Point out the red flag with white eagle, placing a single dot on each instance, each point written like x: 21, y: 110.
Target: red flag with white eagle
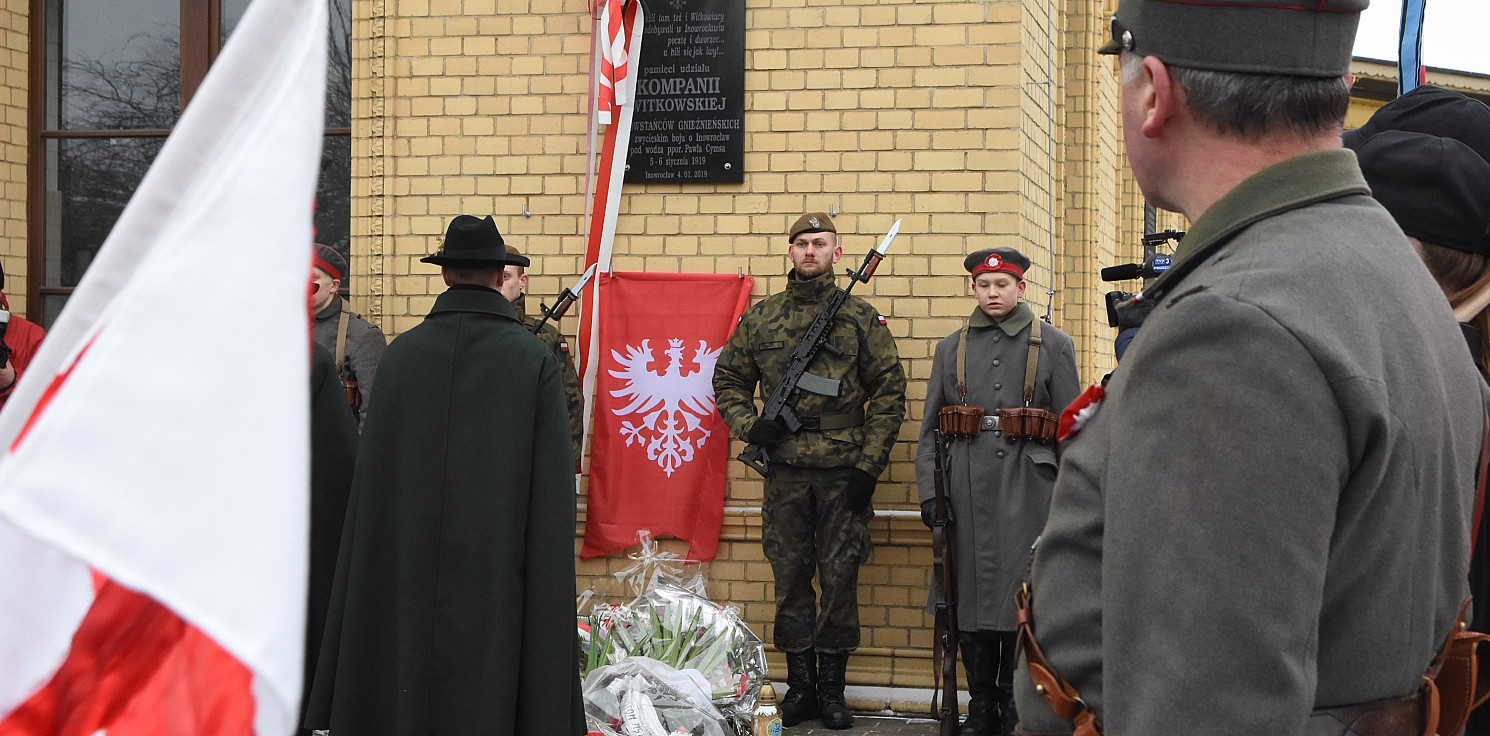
x: 154, y: 484
x: 660, y: 446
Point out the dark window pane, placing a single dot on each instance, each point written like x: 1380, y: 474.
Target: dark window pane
x: 51, y: 306
x: 339, y: 66
x: 334, y: 194
x: 113, y: 64
x: 232, y: 12
x: 89, y: 181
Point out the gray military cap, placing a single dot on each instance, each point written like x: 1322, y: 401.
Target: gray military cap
x: 1310, y: 38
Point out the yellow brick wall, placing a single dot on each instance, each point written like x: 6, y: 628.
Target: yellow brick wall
x: 957, y: 116
x: 14, y: 48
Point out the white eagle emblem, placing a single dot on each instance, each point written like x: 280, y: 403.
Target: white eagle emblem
x: 673, y: 404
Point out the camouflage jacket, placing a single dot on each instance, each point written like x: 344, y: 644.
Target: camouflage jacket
x: 869, y: 368
x: 556, y: 342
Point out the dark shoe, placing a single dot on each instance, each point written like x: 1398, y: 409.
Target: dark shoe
x: 980, y: 659
x: 800, y: 703
x: 1008, y: 645
x: 1008, y: 711
x: 831, y: 680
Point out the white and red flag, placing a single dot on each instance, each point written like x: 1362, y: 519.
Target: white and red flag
x: 608, y: 177
x: 615, y: 78
x: 660, y: 446
x: 153, y: 488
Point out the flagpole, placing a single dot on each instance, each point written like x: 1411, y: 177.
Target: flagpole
x: 1410, y: 46
x: 607, y: 200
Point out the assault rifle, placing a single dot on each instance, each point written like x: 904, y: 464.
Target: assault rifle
x: 778, y: 406
x: 944, y: 607
x: 566, y: 300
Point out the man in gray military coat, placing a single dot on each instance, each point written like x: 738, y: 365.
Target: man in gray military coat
x: 999, y: 486
x: 1263, y: 529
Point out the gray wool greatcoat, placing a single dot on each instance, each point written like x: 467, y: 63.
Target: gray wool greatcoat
x: 1000, y: 492
x: 1269, y: 512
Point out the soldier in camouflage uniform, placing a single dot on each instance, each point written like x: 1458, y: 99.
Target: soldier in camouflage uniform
x: 817, y: 500
x: 514, y: 286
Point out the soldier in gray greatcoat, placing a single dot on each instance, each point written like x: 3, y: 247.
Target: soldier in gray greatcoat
x: 1263, y: 526
x: 999, y: 489
x: 355, y: 344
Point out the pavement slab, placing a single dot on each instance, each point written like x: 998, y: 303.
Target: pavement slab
x: 865, y: 725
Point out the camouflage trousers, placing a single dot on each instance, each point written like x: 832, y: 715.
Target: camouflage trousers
x: 807, y: 529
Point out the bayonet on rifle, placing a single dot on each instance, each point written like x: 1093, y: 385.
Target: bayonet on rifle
x: 566, y: 300
x: 778, y: 407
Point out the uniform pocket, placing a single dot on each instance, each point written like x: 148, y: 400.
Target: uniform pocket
x: 1044, y: 460
x: 861, y: 526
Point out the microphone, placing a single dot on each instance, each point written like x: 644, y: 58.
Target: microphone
x: 1122, y: 272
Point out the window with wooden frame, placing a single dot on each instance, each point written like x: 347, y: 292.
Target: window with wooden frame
x: 109, y: 79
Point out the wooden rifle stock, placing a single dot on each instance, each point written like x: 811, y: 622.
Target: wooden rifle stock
x: 944, y: 647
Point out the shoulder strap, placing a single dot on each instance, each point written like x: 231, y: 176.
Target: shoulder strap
x: 341, y: 338
x: 1033, y: 363
x: 1479, y: 486
x: 962, y: 364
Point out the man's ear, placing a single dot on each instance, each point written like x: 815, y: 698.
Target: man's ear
x: 336, y: 285
x: 1022, y: 287
x: 1159, y: 99
x: 444, y: 274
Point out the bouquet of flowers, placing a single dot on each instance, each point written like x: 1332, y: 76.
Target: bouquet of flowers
x: 639, y: 696
x: 688, y: 633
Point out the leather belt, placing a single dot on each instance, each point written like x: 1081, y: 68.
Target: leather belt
x: 1415, y: 714
x: 821, y: 422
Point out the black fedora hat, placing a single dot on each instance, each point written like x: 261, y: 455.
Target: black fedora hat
x: 474, y: 242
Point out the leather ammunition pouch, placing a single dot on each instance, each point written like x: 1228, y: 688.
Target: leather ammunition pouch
x: 1028, y: 423
x: 960, y: 421
x: 354, y: 394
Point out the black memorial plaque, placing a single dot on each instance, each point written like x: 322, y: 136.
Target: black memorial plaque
x: 689, y: 121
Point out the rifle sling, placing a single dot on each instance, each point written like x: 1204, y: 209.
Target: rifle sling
x: 341, y: 339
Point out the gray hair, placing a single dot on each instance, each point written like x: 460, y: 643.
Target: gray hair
x: 1251, y: 106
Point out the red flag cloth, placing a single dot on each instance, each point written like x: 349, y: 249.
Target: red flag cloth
x: 136, y: 669
x: 660, y: 446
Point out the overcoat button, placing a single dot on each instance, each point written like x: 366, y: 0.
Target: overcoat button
x: 997, y: 386
x: 995, y: 362
x: 1001, y: 453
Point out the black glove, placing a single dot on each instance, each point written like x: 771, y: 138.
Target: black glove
x: 928, y: 512
x: 766, y: 433
x: 1131, y: 316
x: 859, y: 491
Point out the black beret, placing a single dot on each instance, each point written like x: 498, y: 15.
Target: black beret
x: 1006, y: 257
x: 1438, y: 189
x: 1313, y: 39
x: 1431, y: 110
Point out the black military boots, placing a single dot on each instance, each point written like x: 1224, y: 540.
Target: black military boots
x: 831, y: 672
x: 800, y: 703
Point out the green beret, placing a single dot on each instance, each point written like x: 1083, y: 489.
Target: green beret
x: 812, y: 222
x: 1292, y: 37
